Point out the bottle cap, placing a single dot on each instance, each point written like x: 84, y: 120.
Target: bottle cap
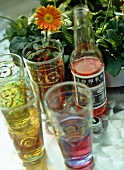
x: 97, y: 124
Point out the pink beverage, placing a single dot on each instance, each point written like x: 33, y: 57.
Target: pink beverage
x: 69, y: 109
x: 76, y: 143
x: 90, y: 71
x: 86, y: 60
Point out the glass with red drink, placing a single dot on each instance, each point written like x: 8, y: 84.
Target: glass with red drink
x: 44, y: 63
x: 69, y: 108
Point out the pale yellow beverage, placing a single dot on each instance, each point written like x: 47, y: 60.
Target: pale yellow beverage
x: 20, y: 105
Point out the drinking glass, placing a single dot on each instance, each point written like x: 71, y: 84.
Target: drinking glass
x: 20, y: 106
x: 11, y: 66
x: 44, y: 63
x: 69, y: 108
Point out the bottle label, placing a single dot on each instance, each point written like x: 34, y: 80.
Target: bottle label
x: 96, y: 83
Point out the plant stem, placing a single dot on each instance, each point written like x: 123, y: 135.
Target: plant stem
x: 86, y: 3
x: 8, y: 19
x: 46, y: 35
x: 54, y: 2
x: 110, y: 4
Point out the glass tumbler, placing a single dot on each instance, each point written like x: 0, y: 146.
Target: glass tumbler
x: 70, y: 111
x: 20, y: 106
x: 44, y: 63
x: 11, y: 66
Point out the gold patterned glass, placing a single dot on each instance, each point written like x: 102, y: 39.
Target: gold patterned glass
x: 20, y: 105
x: 11, y: 66
x: 44, y: 63
x: 69, y: 109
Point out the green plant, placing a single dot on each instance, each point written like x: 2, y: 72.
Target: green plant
x: 20, y: 33
x: 111, y: 45
x: 109, y: 38
x: 23, y: 30
x: 107, y: 27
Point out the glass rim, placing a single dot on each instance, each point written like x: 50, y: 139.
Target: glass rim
x: 43, y: 62
x: 21, y: 66
x: 36, y: 96
x: 80, y: 8
x: 70, y: 83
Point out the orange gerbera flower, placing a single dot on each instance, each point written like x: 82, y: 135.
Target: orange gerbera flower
x: 48, y: 18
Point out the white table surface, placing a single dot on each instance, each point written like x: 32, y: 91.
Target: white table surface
x: 108, y: 145
x: 9, y: 160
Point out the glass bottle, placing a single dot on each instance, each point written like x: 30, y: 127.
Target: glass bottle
x: 86, y: 60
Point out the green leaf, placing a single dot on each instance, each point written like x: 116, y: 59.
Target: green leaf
x: 66, y: 20
x: 22, y: 22
x: 18, y: 43
x: 114, y: 67
x: 22, y: 32
x: 62, y: 7
x: 102, y: 42
x: 57, y: 35
x: 44, y: 2
x: 113, y: 37
x: 68, y: 33
x: 121, y: 27
x: 66, y: 58
x: 122, y: 55
x: 22, y: 26
x: 68, y: 1
x: 14, y: 25
x: 9, y: 31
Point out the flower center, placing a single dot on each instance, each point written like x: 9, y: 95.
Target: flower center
x: 48, y: 18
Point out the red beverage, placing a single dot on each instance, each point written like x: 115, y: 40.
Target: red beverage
x: 76, y: 143
x: 47, y: 68
x: 48, y: 75
x: 90, y: 71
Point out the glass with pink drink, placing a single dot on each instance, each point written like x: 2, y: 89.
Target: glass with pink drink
x: 69, y: 108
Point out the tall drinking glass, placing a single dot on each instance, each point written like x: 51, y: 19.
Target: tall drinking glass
x: 69, y: 108
x: 20, y: 105
x: 44, y: 63
x: 11, y: 66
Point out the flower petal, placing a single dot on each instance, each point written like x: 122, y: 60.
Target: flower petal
x: 47, y: 24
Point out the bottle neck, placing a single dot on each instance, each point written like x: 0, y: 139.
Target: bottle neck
x: 84, y: 41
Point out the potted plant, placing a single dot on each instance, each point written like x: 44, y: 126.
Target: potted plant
x: 109, y: 39
x: 107, y: 26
